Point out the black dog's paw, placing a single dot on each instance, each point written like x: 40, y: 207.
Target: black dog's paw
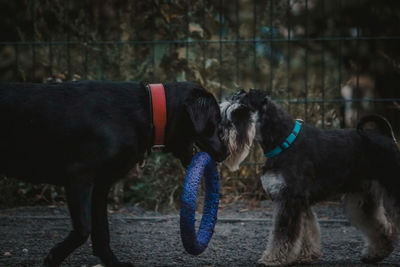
x: 49, y: 261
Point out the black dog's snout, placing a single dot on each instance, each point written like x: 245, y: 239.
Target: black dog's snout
x: 221, y: 157
x: 218, y: 150
x: 223, y: 153
x: 227, y: 153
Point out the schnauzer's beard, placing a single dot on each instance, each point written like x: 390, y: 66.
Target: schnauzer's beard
x: 238, y: 143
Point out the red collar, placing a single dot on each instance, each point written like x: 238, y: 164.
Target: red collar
x: 159, y: 113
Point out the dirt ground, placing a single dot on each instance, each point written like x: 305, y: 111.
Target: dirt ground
x: 153, y: 239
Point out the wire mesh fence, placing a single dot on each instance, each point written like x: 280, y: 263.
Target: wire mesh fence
x: 327, y: 62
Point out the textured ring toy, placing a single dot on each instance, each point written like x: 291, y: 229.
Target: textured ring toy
x: 192, y: 242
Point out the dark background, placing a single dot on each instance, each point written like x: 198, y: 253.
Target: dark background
x: 327, y: 62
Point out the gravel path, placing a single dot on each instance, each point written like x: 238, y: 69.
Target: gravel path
x: 153, y: 239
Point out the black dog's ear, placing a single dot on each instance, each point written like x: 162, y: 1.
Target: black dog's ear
x: 197, y: 111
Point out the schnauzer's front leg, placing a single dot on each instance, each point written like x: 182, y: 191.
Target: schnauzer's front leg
x: 285, y: 240
x: 310, y: 249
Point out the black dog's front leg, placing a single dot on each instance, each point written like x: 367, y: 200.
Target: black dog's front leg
x: 100, y: 232
x: 78, y: 195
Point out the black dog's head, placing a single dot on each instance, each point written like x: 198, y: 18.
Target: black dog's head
x: 196, y: 120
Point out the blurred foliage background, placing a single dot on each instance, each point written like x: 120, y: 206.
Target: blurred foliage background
x: 326, y: 62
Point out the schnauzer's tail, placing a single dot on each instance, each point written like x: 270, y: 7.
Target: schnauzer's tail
x: 381, y: 124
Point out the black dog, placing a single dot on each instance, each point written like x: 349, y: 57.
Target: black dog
x: 306, y: 165
x: 87, y: 135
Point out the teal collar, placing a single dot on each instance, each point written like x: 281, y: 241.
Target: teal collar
x: 289, y: 140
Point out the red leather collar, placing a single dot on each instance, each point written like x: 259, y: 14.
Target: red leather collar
x: 159, y: 110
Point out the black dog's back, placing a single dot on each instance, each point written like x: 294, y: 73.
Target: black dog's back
x: 48, y: 131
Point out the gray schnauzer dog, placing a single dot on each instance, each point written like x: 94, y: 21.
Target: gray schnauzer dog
x: 306, y: 165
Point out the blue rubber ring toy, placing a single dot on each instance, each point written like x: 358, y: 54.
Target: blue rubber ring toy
x: 192, y: 242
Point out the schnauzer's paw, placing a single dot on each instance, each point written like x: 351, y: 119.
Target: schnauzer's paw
x: 369, y: 259
x: 269, y: 260
x: 374, y: 255
x: 262, y: 262
x: 309, y: 254
x: 309, y: 257
x: 377, y: 252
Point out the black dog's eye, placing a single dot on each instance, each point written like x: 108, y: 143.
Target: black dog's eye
x: 209, y: 130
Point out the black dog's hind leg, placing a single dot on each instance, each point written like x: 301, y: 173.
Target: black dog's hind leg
x: 100, y: 233
x: 79, y: 197
x: 367, y: 213
x: 285, y: 239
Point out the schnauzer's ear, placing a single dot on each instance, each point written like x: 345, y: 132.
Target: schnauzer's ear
x: 238, y: 94
x: 266, y: 102
x: 198, y: 113
x: 242, y: 113
x: 241, y: 118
